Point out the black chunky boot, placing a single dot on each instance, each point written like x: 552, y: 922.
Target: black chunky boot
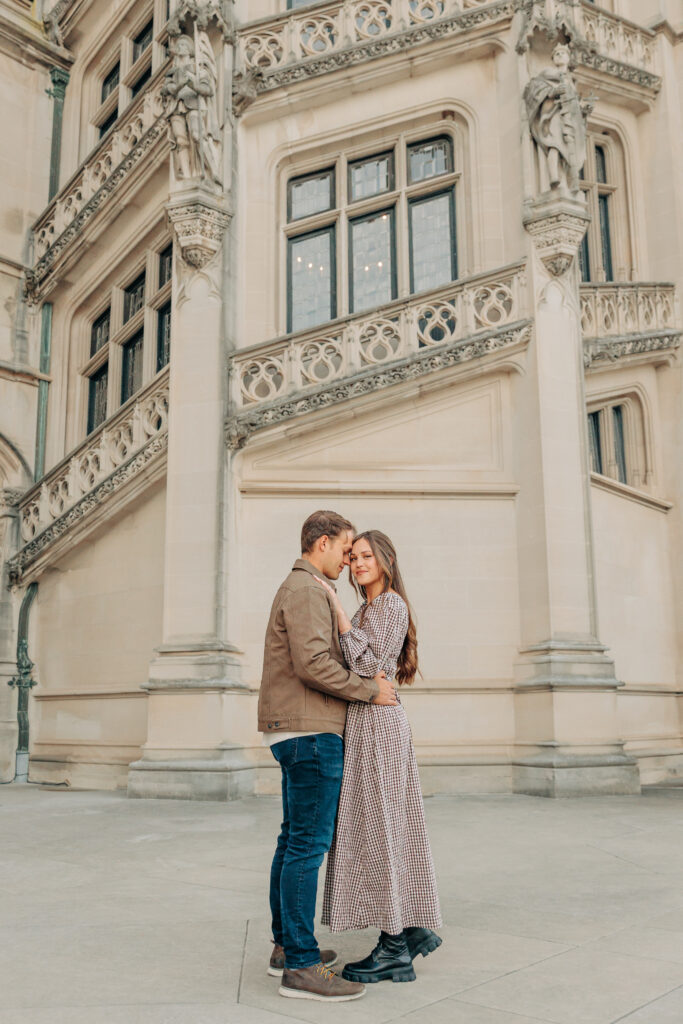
x: 421, y: 940
x: 390, y: 960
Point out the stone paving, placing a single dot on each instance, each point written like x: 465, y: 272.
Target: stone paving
x: 155, y: 912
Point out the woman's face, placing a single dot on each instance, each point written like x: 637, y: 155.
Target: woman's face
x: 364, y: 564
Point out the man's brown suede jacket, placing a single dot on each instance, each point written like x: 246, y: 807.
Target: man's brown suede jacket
x: 305, y: 684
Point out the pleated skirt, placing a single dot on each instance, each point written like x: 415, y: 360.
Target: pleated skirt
x: 380, y: 871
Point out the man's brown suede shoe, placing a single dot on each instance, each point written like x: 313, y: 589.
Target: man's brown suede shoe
x: 277, y: 960
x: 318, y: 983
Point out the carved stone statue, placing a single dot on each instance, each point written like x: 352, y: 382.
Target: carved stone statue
x: 190, y: 92
x: 557, y: 120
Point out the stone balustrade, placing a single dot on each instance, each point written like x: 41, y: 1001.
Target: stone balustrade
x: 615, y: 310
x: 614, y: 37
x: 140, y: 125
x: 109, y: 449
x: 327, y: 28
x: 343, y: 348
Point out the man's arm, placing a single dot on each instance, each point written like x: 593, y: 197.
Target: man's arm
x: 306, y: 615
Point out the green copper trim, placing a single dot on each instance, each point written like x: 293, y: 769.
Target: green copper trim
x: 23, y: 680
x: 43, y: 387
x: 59, y: 79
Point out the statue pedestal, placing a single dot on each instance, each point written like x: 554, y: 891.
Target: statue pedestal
x: 567, y: 736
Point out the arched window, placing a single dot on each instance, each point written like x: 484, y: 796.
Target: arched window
x: 605, y: 253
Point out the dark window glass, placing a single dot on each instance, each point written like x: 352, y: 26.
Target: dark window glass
x: 309, y: 195
x: 605, y: 237
x: 106, y: 125
x: 429, y: 159
x: 584, y: 259
x: 371, y: 177
x: 163, y: 335
x: 433, y: 258
x: 142, y: 81
x: 97, y: 397
x: 594, y: 440
x: 600, y: 165
x: 142, y: 40
x: 134, y: 297
x: 111, y: 82
x: 99, y: 333
x: 293, y: 4
x: 371, y: 260
x: 312, y: 280
x: 165, y: 265
x: 131, y: 376
x: 619, y: 443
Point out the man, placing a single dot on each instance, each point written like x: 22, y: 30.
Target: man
x: 302, y: 712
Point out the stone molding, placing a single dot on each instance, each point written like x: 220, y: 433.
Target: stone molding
x: 611, y: 350
x: 240, y: 427
x: 141, y: 461
x: 199, y: 218
x: 203, y: 12
x: 556, y: 226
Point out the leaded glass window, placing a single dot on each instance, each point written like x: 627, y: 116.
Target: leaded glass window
x: 619, y: 442
x: 99, y: 333
x: 605, y: 237
x: 163, y: 335
x: 597, y: 253
x: 111, y: 81
x: 432, y: 241
x: 371, y: 253
x: 108, y: 123
x: 371, y: 177
x: 165, y: 265
x: 595, y: 441
x: 97, y: 397
x: 131, y: 373
x: 133, y: 297
x: 312, y: 286
x: 429, y: 159
x: 142, y: 40
x: 142, y: 81
x: 311, y: 194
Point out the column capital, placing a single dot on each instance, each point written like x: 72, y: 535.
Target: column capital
x: 199, y: 217
x: 557, y: 226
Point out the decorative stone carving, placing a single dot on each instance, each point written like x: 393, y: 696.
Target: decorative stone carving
x: 199, y: 219
x: 245, y: 89
x: 202, y: 12
x: 557, y: 228
x: 190, y: 93
x: 239, y: 428
x: 600, y: 350
x: 557, y: 121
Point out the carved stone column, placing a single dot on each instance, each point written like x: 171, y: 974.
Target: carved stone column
x: 194, y: 677
x: 567, y: 736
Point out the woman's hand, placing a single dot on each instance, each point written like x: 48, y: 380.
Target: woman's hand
x: 343, y: 620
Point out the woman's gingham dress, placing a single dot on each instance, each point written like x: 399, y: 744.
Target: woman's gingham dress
x: 380, y: 871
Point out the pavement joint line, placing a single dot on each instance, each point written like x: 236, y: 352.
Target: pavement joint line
x: 641, y: 867
x: 507, y: 974
x: 244, y: 955
x: 650, y: 1002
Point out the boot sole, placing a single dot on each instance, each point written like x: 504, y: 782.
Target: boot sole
x: 277, y: 972
x: 402, y: 974
x: 427, y: 946
x: 295, y: 993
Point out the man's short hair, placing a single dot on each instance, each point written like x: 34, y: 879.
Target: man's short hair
x: 321, y: 524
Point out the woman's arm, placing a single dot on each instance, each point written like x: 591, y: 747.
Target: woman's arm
x: 385, y: 624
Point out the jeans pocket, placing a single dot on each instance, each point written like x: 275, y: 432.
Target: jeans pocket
x: 284, y: 752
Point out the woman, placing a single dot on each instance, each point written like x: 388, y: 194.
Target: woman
x: 379, y: 870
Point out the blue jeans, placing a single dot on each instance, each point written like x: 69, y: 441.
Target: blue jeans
x: 312, y: 768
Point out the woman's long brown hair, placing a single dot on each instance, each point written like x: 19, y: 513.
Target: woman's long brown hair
x: 385, y: 553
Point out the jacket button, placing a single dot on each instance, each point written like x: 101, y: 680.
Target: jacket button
x: 276, y: 724
x: 270, y: 725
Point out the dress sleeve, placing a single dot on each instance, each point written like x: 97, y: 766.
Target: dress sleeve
x: 385, y: 624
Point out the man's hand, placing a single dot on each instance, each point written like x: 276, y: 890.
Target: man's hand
x: 387, y: 693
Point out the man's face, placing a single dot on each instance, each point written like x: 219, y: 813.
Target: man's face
x: 336, y: 554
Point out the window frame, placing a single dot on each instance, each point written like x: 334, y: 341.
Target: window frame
x: 637, y: 447
x: 145, y: 320
x: 345, y: 210
x: 610, y: 196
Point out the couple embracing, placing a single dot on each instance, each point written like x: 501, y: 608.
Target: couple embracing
x: 330, y: 712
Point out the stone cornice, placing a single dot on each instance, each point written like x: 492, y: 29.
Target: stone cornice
x: 240, y: 427
x: 656, y: 346
x: 23, y: 38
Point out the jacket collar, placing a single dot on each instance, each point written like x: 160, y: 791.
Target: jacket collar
x: 303, y: 563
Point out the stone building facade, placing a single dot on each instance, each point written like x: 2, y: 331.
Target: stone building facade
x: 415, y: 260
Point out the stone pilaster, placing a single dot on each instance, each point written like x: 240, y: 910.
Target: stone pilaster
x: 567, y: 736
x: 195, y: 694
